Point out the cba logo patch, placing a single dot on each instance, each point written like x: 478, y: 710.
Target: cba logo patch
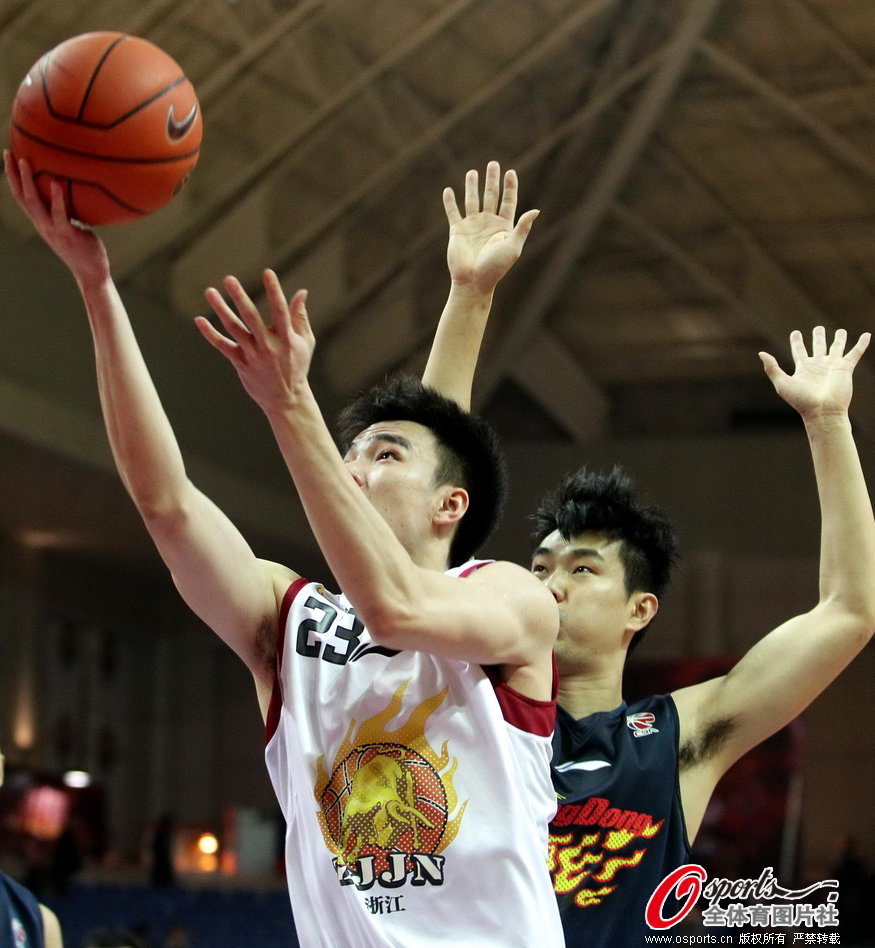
x: 641, y: 724
x: 19, y: 935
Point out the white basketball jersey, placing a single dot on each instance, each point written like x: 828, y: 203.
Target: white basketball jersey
x: 416, y: 790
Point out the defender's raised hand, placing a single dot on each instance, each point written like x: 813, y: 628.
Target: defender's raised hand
x: 821, y: 383
x: 485, y: 243
x: 271, y: 361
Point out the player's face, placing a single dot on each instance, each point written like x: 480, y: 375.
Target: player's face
x: 394, y: 463
x: 587, y: 579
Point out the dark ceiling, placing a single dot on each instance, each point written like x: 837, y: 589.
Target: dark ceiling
x: 705, y: 172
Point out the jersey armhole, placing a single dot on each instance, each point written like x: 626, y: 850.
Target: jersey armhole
x: 677, y: 724
x: 520, y: 711
x: 276, y: 695
x: 524, y: 713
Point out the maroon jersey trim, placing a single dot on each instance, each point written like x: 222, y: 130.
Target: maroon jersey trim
x: 276, y: 695
x: 524, y: 713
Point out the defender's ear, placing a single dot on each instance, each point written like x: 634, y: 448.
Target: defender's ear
x: 644, y: 608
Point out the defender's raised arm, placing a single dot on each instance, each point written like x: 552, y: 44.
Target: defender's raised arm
x: 484, y: 243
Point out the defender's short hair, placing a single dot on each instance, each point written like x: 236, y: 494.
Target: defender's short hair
x: 468, y: 451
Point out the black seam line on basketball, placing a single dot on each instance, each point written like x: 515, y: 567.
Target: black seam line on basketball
x: 140, y: 107
x: 78, y: 119
x: 93, y: 78
x: 87, y: 154
x: 94, y: 184
x: 127, y: 115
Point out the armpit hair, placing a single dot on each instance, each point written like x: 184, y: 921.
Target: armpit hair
x: 266, y: 642
x: 706, y: 746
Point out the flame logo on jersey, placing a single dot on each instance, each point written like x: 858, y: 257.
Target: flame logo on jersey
x: 586, y: 866
x: 389, y: 792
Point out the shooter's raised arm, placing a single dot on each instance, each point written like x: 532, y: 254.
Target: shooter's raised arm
x: 211, y: 564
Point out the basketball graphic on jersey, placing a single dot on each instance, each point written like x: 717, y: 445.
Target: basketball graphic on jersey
x: 389, y: 791
x: 385, y: 796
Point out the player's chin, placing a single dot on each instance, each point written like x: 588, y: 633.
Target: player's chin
x: 567, y: 657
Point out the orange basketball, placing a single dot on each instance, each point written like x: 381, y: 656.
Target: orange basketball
x: 114, y: 119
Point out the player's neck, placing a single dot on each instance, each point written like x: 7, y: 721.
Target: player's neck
x: 586, y: 692
x: 431, y: 554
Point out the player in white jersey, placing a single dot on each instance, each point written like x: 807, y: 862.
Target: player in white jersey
x: 427, y: 770
x: 391, y: 517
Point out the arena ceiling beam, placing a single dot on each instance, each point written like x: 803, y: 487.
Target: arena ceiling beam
x: 436, y: 234
x: 836, y: 42
x: 13, y: 10
x: 545, y: 369
x: 210, y: 89
x: 589, y: 215
x: 79, y: 437
x: 185, y: 268
x: 833, y: 142
x: 763, y: 295
x: 550, y: 375
x: 344, y: 326
x: 389, y: 171
x: 157, y: 18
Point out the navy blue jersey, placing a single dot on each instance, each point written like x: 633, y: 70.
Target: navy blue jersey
x: 619, y: 829
x: 21, y: 923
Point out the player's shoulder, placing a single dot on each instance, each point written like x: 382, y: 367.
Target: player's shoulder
x: 519, y: 592
x: 506, y: 575
x: 693, y: 702
x: 493, y: 570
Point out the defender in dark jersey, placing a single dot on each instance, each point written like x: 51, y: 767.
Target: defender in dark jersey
x: 633, y: 782
x: 620, y: 827
x: 24, y: 922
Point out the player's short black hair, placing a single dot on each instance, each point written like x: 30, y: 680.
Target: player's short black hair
x: 468, y: 451
x: 595, y: 502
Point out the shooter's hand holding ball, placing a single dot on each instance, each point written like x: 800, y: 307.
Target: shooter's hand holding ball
x: 114, y: 119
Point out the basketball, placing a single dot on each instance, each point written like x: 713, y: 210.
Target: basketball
x: 114, y: 119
